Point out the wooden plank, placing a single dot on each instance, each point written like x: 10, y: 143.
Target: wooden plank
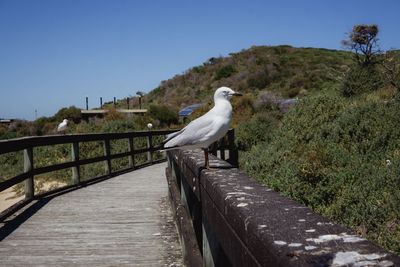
x: 131, y: 150
x: 107, y: 154
x: 28, y: 167
x: 191, y: 253
x: 55, y: 167
x: 150, y: 147
x: 123, y: 221
x: 233, y: 152
x: 76, y: 175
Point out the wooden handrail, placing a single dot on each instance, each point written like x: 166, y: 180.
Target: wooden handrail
x: 17, y: 144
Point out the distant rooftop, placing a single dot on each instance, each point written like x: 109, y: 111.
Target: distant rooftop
x: 186, y: 111
x: 6, y: 120
x: 103, y: 111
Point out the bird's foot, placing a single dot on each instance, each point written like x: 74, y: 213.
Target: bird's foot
x: 208, y: 167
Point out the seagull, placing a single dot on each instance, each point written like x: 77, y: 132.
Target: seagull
x: 207, y: 129
x: 62, y: 127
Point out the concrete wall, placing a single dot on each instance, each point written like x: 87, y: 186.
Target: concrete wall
x: 226, y: 218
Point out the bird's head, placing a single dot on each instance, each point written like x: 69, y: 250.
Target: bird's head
x: 65, y: 121
x: 225, y: 93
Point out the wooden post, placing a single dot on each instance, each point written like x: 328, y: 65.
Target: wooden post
x: 87, y: 103
x: 213, y: 255
x: 28, y: 167
x: 222, y: 148
x: 150, y: 147
x: 131, y: 150
x: 76, y: 174
x: 107, y: 153
x: 214, y: 147
x: 233, y: 153
x: 115, y: 102
x: 101, y: 102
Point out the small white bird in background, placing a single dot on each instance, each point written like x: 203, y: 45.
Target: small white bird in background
x: 149, y: 125
x: 207, y: 129
x: 62, y: 127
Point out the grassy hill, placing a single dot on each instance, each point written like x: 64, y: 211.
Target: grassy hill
x: 286, y: 70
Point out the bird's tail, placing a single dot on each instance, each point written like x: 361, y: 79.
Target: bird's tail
x: 165, y: 149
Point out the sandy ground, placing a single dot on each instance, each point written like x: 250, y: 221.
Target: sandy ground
x: 8, y: 197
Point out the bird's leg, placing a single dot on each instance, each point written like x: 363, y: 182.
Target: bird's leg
x: 206, y: 163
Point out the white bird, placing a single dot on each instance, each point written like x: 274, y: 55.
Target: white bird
x: 62, y: 127
x: 207, y: 129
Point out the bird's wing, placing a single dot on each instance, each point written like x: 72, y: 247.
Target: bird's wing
x: 61, y: 126
x: 193, y: 133
x: 172, y: 135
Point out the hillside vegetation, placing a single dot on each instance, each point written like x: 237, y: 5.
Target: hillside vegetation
x: 286, y: 70
x: 336, y: 150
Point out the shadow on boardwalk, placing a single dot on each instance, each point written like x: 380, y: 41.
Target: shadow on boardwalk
x: 123, y: 221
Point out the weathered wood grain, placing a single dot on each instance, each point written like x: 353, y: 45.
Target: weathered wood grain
x: 123, y: 221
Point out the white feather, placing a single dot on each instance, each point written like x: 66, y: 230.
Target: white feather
x: 62, y: 126
x: 207, y: 129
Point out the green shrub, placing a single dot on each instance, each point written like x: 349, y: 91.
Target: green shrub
x: 224, y: 72
x: 259, y: 79
x: 118, y: 126
x: 163, y: 114
x: 71, y: 113
x: 361, y: 79
x: 339, y: 156
x: 256, y: 130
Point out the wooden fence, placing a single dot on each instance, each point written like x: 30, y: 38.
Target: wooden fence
x: 28, y: 144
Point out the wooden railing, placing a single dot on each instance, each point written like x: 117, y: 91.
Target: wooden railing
x: 28, y: 144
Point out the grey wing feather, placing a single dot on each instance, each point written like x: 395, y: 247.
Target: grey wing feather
x: 192, y: 134
x: 172, y: 135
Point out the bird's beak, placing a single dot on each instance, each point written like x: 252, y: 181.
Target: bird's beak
x: 237, y: 94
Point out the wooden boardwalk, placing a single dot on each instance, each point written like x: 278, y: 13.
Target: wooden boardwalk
x: 122, y: 221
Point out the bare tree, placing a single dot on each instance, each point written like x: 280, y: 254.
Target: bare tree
x: 364, y: 42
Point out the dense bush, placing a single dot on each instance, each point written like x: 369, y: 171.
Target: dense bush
x: 224, y: 72
x: 118, y: 126
x: 71, y: 113
x: 259, y: 79
x: 113, y: 115
x: 361, y: 79
x: 256, y: 130
x: 163, y: 114
x: 340, y: 157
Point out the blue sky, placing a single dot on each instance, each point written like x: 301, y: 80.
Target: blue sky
x: 55, y: 53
